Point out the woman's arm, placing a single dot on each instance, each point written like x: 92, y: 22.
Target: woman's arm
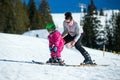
x: 65, y: 31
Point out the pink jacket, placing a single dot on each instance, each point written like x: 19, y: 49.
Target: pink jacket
x: 55, y: 39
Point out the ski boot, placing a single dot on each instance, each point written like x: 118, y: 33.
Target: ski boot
x: 55, y: 61
x: 87, y: 59
x: 51, y: 60
x: 60, y: 61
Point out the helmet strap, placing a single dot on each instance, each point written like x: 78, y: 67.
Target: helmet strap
x: 51, y: 30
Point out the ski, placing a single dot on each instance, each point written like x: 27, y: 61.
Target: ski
x: 55, y: 64
x: 42, y: 63
x: 88, y: 65
x: 37, y: 62
x: 70, y: 65
x: 78, y: 65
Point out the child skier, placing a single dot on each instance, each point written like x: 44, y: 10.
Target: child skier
x: 56, y: 44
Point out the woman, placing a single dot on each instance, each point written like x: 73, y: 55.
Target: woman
x: 73, y: 34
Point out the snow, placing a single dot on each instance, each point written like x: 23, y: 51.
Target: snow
x: 17, y: 49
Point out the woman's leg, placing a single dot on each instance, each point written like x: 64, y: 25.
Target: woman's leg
x: 84, y: 53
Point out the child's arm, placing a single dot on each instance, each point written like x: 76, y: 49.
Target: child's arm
x: 57, y: 39
x: 50, y: 46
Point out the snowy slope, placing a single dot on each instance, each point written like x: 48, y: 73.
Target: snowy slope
x: 25, y: 48
x: 19, y: 50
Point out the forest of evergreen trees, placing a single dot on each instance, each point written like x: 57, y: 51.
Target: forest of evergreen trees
x: 17, y: 16
x: 110, y: 36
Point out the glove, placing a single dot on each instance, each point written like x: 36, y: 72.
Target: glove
x: 50, y: 49
x: 55, y: 49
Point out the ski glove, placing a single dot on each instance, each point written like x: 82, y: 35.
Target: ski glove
x: 55, y: 49
x: 50, y: 49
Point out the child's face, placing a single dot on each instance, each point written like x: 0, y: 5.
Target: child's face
x: 50, y: 30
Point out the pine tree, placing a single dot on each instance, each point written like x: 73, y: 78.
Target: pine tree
x: 90, y: 24
x: 2, y: 17
x: 111, y: 37
x: 33, y: 15
x: 101, y: 12
x: 12, y: 16
x: 8, y: 13
x: 92, y: 8
x: 94, y: 36
x: 117, y: 33
x: 109, y: 44
x: 44, y: 11
x: 20, y: 17
x: 25, y: 16
x: 88, y: 28
x: 100, y: 33
x: 42, y: 21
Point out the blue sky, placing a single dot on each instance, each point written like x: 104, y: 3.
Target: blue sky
x: 61, y: 6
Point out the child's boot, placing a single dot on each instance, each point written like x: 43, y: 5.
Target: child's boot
x: 51, y: 60
x: 60, y: 61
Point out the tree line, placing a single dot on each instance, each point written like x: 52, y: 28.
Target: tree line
x: 99, y: 36
x: 17, y: 16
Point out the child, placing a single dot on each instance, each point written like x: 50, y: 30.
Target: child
x: 56, y: 44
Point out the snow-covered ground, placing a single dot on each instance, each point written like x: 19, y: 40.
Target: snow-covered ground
x: 18, y: 50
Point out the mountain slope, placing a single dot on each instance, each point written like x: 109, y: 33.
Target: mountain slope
x: 25, y: 48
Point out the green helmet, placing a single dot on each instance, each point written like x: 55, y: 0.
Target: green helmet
x: 50, y: 26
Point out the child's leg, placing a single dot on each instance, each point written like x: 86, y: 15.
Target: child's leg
x: 52, y: 58
x: 53, y: 54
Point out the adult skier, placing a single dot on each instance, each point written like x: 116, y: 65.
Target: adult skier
x: 73, y: 35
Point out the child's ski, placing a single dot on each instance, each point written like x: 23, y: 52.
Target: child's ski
x: 42, y: 63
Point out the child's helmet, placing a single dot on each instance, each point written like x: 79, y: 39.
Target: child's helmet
x: 51, y: 26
